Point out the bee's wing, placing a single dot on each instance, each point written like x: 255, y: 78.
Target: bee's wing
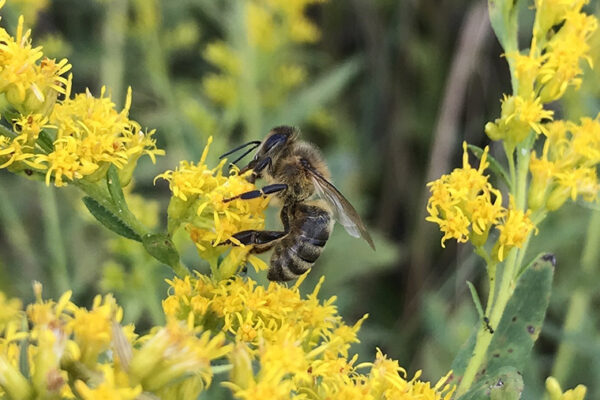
x: 342, y: 209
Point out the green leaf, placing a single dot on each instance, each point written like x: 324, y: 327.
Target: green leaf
x: 161, y: 247
x: 495, y: 166
x: 46, y: 142
x: 310, y: 99
x: 517, y: 330
x: 476, y: 300
x: 505, y: 384
x: 109, y: 219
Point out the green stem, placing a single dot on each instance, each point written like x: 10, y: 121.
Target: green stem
x: 523, y: 157
x: 577, y: 312
x: 491, y: 271
x: 484, y: 336
x: 180, y: 270
x: 509, y: 150
x: 113, y: 36
x: 54, y: 240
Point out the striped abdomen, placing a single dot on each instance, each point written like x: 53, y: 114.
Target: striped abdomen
x: 310, y: 224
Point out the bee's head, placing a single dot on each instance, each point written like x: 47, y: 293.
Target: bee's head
x: 268, y: 151
x: 275, y: 142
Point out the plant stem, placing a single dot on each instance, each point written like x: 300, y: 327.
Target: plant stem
x: 54, y: 240
x: 484, y: 336
x: 577, y: 311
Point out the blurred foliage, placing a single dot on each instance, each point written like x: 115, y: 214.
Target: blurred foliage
x: 368, y: 90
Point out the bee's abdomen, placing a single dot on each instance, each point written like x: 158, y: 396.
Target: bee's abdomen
x: 297, y: 252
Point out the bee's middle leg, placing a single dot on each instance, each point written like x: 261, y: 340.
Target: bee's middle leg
x: 269, y: 189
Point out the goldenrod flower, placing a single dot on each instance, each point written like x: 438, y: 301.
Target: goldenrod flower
x: 92, y: 330
x: 90, y: 135
x: 113, y: 385
x: 174, y: 351
x: 464, y: 203
x: 563, y: 53
x: 518, y: 118
x: 567, y: 166
x: 198, y: 204
x: 10, y: 309
x: 514, y: 230
x: 30, y: 85
x: 555, y: 392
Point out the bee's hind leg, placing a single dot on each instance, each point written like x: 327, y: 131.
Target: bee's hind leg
x: 263, y: 240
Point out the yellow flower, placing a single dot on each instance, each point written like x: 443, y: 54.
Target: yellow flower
x: 90, y: 135
x: 554, y: 391
x: 112, y: 387
x: 92, y: 330
x: 519, y: 116
x: 10, y: 310
x: 172, y: 352
x: 197, y: 203
x: 514, y: 230
x: 222, y: 89
x: 30, y: 85
x: 461, y: 202
x: 567, y: 166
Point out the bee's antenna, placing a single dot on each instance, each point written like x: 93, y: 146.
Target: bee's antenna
x: 254, y: 143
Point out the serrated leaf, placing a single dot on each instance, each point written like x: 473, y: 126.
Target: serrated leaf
x: 161, y: 247
x: 110, y: 220
x: 495, y: 166
x: 517, y: 330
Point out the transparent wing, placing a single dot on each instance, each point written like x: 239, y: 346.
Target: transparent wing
x: 343, y: 211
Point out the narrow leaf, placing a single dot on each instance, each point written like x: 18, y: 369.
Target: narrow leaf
x: 476, y: 300
x: 110, y: 220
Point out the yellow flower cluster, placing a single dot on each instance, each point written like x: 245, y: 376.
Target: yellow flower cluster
x: 301, y: 345
x: 197, y: 204
x: 84, y: 135
x: 465, y: 206
x: 567, y: 166
x: 271, y: 26
x: 72, y: 352
x: 552, y: 65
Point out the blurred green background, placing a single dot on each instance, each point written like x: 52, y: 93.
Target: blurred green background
x: 388, y: 89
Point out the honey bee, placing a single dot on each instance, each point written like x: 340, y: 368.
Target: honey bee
x: 296, y: 173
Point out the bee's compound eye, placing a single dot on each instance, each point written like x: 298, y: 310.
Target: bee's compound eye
x: 273, y: 141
